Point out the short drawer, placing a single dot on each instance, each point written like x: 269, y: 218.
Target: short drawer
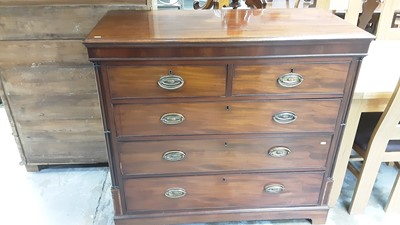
x: 223, y: 191
x: 186, y: 156
x: 166, y: 81
x: 226, y: 117
x: 309, y: 78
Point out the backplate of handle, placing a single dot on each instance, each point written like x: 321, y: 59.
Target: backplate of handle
x: 172, y: 118
x: 274, y: 188
x: 289, y: 80
x: 174, y: 155
x: 175, y: 193
x: 284, y: 117
x: 171, y: 82
x: 279, y: 151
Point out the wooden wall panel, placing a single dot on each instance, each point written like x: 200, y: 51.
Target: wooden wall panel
x: 34, y: 53
x: 62, y: 141
x: 53, y: 22
x: 48, y: 153
x: 55, y: 107
x: 49, y: 87
x: 46, y: 80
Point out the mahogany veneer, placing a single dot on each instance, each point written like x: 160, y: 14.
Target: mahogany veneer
x: 223, y: 115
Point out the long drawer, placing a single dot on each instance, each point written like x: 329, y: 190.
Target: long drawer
x: 226, y: 117
x: 166, y: 81
x: 189, y: 156
x: 315, y: 78
x: 222, y: 191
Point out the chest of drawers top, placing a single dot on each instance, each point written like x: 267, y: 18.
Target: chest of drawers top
x: 223, y: 33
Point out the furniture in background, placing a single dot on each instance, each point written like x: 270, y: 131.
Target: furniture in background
x: 256, y: 4
x: 377, y: 140
x: 225, y: 120
x: 179, y: 4
x: 46, y: 83
x: 375, y: 85
x: 360, y: 13
x: 371, y: 94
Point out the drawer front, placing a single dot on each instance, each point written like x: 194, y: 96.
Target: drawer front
x: 264, y: 153
x: 290, y: 78
x: 166, y: 81
x: 223, y: 191
x: 226, y: 117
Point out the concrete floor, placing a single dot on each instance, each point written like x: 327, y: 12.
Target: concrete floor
x: 81, y: 196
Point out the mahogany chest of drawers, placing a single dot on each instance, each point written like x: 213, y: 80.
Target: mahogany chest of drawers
x: 223, y: 115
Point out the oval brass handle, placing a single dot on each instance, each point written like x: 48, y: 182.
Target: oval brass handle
x: 284, y: 117
x: 172, y: 118
x: 289, y: 80
x: 174, y: 155
x: 175, y: 193
x: 279, y: 151
x: 171, y: 82
x: 274, y: 188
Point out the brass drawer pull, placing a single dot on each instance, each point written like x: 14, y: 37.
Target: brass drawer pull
x: 279, y: 152
x: 274, y: 188
x: 174, y: 155
x: 171, y: 82
x: 284, y: 117
x: 172, y: 118
x: 175, y: 193
x: 289, y: 80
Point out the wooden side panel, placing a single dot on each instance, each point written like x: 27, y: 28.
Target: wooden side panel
x: 53, y: 22
x: 11, y: 119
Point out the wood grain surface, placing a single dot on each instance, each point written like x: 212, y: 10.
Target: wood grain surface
x: 230, y: 154
x: 318, y: 78
x: 244, y: 25
x: 34, y: 53
x: 223, y: 191
x: 141, y: 81
x: 215, y: 118
x: 63, y: 22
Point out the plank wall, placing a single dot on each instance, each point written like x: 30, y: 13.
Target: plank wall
x: 46, y: 81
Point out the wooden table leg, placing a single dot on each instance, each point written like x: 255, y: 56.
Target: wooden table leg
x: 393, y: 206
x: 345, y: 150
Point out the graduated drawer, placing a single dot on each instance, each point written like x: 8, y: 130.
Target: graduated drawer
x: 225, y: 117
x: 166, y: 81
x: 263, y: 153
x: 295, y: 77
x: 223, y: 191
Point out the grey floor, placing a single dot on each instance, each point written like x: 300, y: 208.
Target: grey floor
x: 81, y: 196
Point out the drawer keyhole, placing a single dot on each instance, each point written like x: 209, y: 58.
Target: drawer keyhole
x: 228, y: 107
